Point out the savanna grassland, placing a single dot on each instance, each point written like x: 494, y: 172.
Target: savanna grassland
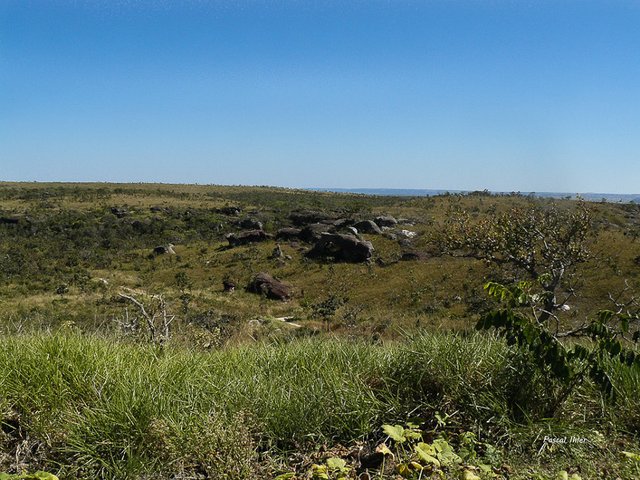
x: 131, y: 346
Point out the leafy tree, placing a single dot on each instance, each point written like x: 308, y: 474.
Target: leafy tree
x: 544, y: 244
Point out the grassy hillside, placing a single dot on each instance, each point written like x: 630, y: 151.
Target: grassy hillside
x: 69, y: 256
x: 244, y: 386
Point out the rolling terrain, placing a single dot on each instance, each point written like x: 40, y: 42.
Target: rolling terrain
x: 286, y: 327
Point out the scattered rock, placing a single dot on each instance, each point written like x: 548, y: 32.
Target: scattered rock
x: 119, y: 212
x: 341, y: 247
x: 229, y: 210
x: 141, y: 226
x: 407, y: 234
x: 265, y: 284
x: 159, y: 209
x: 301, y: 218
x: 386, y: 221
x: 250, y: 224
x: 164, y: 249
x: 405, y: 243
x: 246, y: 237
x: 413, y: 256
x: 368, y: 226
x: 288, y: 234
x: 277, y: 252
x: 311, y: 233
x: 228, y: 285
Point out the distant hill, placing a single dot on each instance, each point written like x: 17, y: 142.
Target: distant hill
x: 425, y: 192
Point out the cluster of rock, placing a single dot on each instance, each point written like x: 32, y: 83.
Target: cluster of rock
x: 332, y: 238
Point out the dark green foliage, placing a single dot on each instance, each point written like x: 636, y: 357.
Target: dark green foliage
x: 569, y: 363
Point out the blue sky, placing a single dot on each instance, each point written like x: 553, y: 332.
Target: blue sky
x: 504, y: 95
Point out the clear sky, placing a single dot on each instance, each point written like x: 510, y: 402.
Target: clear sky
x: 505, y: 95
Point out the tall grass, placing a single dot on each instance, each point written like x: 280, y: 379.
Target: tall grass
x: 93, y: 407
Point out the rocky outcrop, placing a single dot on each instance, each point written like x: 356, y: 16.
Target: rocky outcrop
x: 246, y: 237
x: 264, y: 284
x: 342, y: 248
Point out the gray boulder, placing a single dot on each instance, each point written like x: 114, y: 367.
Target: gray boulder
x: 264, y: 284
x: 342, y: 248
x: 368, y: 226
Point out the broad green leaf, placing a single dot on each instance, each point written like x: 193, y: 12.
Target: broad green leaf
x: 445, y: 453
x: 319, y: 472
x: 285, y: 476
x: 427, y: 453
x: 469, y: 475
x: 336, y: 463
x: 44, y: 476
x: 395, y: 432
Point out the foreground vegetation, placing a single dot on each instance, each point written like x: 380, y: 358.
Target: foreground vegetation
x: 136, y: 345
x: 89, y: 407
